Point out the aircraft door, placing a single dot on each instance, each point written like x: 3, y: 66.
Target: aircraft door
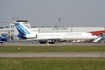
x: 36, y: 36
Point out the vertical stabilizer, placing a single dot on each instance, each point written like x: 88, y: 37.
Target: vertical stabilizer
x: 22, y: 29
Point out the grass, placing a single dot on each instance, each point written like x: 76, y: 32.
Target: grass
x: 69, y: 48
x: 52, y: 64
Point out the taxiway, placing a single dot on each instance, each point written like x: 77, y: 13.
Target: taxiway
x: 53, y: 54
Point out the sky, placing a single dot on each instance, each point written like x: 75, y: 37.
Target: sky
x: 75, y: 13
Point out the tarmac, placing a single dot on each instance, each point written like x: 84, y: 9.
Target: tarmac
x: 53, y: 54
x: 56, y: 44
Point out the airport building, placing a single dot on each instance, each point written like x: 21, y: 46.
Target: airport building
x: 12, y: 31
x: 69, y: 29
x: 4, y: 30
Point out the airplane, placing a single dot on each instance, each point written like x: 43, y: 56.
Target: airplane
x: 25, y: 33
x: 98, y: 32
x: 3, y: 39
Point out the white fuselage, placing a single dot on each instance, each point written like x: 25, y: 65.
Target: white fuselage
x: 25, y: 33
x: 62, y: 36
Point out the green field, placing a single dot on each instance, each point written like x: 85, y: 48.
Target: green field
x: 52, y: 64
x: 69, y: 48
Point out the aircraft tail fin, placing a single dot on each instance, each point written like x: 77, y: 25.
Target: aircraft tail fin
x: 97, y: 33
x: 22, y: 29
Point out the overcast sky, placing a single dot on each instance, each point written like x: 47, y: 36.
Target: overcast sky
x: 48, y: 12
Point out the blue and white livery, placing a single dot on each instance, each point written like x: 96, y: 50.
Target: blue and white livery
x: 25, y: 33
